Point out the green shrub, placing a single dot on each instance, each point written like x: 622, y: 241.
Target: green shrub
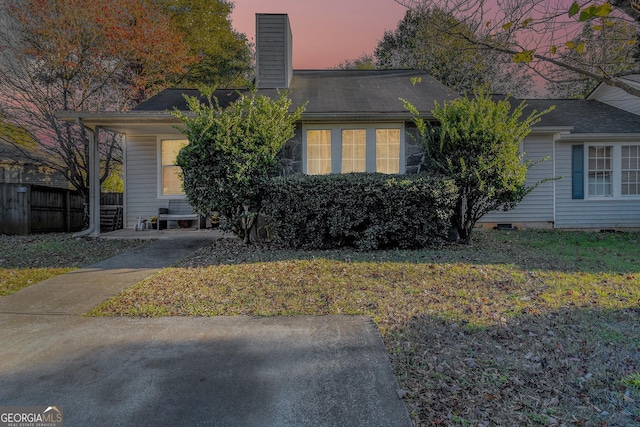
x: 367, y: 211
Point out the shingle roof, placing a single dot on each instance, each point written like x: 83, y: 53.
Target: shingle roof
x: 585, y: 116
x: 337, y: 93
x: 11, y: 154
x: 353, y: 95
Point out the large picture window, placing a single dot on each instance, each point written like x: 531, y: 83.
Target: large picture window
x: 388, y: 150
x: 370, y: 147
x: 354, y: 150
x: 171, y: 181
x: 319, y: 151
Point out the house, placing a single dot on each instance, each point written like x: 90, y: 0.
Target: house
x: 354, y: 121
x: 20, y: 165
x: 594, y: 150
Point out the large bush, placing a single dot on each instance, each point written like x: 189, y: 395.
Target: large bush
x: 477, y: 144
x: 368, y: 211
x: 231, y: 152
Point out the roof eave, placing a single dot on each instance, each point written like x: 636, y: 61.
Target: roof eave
x: 588, y: 137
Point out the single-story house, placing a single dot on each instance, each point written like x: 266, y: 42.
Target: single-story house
x: 354, y: 121
x: 22, y: 165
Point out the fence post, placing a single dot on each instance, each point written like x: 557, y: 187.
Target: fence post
x: 67, y: 210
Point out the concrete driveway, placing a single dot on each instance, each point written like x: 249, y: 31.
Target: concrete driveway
x: 181, y: 371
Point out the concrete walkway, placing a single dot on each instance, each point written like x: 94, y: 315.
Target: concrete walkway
x: 217, y: 371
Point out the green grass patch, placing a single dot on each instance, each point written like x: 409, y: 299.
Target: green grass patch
x: 26, y: 260
x: 14, y: 279
x: 632, y: 380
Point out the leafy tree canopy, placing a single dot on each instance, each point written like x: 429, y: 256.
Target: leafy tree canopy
x: 222, y: 56
x: 457, y: 62
x: 546, y: 35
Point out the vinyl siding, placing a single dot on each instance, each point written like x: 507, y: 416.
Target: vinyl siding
x: 618, y: 98
x: 273, y: 51
x: 141, y: 180
x: 537, y: 206
x: 606, y: 213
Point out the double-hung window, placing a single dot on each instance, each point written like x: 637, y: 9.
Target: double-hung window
x: 600, y: 171
x: 630, y: 178
x: 353, y: 148
x: 170, y: 178
x: 613, y: 170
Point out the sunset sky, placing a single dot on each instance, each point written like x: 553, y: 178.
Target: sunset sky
x: 326, y: 32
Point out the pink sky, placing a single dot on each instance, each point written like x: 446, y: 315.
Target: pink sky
x: 326, y: 32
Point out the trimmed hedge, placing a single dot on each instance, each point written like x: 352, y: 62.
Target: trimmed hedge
x: 364, y: 210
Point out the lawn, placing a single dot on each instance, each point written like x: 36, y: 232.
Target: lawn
x: 26, y: 260
x: 522, y: 328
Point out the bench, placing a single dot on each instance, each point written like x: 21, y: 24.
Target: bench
x: 177, y: 211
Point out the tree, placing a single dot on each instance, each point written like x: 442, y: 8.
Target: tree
x: 81, y: 55
x: 537, y: 32
x: 604, y: 47
x: 232, y: 151
x: 457, y: 62
x: 477, y: 145
x: 363, y: 62
x: 222, y: 55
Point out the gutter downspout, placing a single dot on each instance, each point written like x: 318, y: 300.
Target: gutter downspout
x: 94, y: 184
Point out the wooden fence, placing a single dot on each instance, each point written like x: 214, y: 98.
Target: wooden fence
x: 27, y: 209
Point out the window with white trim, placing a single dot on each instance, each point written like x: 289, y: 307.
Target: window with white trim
x: 170, y: 178
x: 611, y: 170
x: 600, y: 171
x: 369, y: 147
x: 630, y: 179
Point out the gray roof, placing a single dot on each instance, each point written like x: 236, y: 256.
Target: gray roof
x: 12, y: 154
x: 585, y: 116
x: 334, y: 94
x: 362, y: 95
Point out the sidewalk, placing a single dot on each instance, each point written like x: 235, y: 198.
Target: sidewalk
x: 216, y: 371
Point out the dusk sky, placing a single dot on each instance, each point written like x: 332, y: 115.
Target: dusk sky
x: 324, y: 33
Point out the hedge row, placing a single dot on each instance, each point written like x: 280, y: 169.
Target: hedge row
x: 367, y: 211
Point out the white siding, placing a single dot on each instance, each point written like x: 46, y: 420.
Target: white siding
x: 618, y: 98
x: 612, y: 213
x: 141, y: 180
x: 537, y: 206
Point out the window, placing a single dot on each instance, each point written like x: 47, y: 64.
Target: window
x: 600, y: 171
x: 388, y: 150
x: 630, y: 179
x: 345, y: 148
x: 171, y: 184
x: 354, y: 150
x: 318, y: 151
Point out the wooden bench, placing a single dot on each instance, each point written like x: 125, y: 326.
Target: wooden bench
x: 177, y: 211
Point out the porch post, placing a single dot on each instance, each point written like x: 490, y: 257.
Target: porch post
x: 94, y: 182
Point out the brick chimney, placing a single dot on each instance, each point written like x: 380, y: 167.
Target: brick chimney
x: 274, y: 66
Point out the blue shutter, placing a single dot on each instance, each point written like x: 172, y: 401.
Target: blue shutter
x: 577, y: 171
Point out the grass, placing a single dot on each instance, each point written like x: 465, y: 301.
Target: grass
x: 522, y: 328
x: 26, y: 260
x: 527, y: 328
